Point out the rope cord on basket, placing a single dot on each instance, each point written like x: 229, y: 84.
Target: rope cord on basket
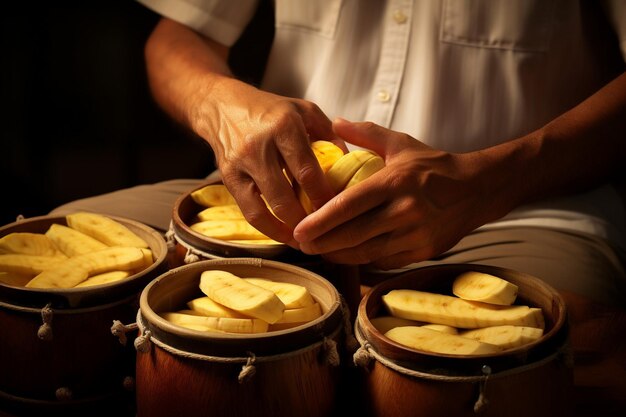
x: 45, y: 330
x: 169, y: 237
x: 364, y: 355
x: 327, y: 345
x: 119, y: 329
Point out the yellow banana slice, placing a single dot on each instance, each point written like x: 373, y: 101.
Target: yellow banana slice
x: 506, y: 337
x: 344, y: 169
x: 238, y: 294
x: 224, y: 324
x: 29, y: 244
x: 292, y: 295
x: 72, y: 242
x: 228, y: 230
x: 226, y: 212
x: 478, y: 286
x: 456, y: 312
x: 207, y: 307
x: 105, y: 229
x: 369, y: 168
x: 213, y: 195
x: 421, y: 338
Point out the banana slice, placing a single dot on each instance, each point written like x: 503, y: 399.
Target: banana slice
x: 344, y: 169
x: 478, y: 286
x: 27, y: 264
x: 223, y: 324
x: 292, y: 295
x: 207, y: 307
x: 105, y: 229
x: 369, y: 168
x: 421, y: 338
x: 77, y: 269
x: 506, y: 337
x: 326, y: 153
x: 441, y: 328
x: 29, y: 244
x: 213, y: 195
x: 456, y: 312
x: 228, y: 230
x: 238, y: 294
x: 72, y: 242
x: 227, y: 212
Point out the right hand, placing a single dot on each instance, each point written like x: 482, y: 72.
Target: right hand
x: 255, y: 135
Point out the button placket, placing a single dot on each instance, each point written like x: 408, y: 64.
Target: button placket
x: 394, y: 49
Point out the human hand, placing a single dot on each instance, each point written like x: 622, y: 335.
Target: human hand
x: 255, y: 135
x: 418, y: 206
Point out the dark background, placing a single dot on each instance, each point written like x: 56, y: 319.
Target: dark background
x: 77, y: 118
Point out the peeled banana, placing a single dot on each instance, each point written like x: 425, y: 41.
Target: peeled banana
x: 369, y: 168
x: 228, y: 230
x: 238, y: 294
x: 326, y: 153
x: 72, y: 242
x: 441, y: 328
x: 105, y: 229
x: 292, y: 295
x: 478, y: 286
x: 228, y: 212
x: 422, y: 338
x: 506, y: 337
x: 223, y: 324
x: 342, y: 171
x: 207, y: 307
x: 213, y: 195
x: 453, y: 311
x: 73, y: 271
x: 29, y: 244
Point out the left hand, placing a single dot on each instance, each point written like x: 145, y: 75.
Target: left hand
x: 418, y: 206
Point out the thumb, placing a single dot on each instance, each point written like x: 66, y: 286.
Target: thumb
x: 367, y: 135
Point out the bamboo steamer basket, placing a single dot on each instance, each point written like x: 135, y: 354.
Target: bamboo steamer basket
x: 290, y: 372
x: 531, y: 380
x: 57, y: 353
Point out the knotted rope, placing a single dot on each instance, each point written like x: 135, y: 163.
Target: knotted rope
x: 327, y: 347
x: 119, y: 329
x: 45, y: 330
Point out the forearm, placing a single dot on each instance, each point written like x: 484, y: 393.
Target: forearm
x: 182, y: 68
x: 584, y: 147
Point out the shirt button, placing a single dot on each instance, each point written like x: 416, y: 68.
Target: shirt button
x: 399, y: 16
x: 383, y: 96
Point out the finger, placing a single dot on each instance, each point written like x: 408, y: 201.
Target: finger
x: 294, y: 147
x: 347, y: 205
x: 386, y: 250
x: 254, y: 209
x: 378, y: 221
x: 367, y: 135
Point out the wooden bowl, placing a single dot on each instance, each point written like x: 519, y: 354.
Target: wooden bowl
x: 520, y: 379
x: 84, y: 296
x: 183, y: 215
x: 290, y: 376
x: 57, y: 352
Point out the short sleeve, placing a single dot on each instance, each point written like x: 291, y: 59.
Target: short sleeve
x: 220, y: 20
x: 616, y: 12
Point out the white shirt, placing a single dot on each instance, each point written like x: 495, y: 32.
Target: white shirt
x: 458, y: 75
